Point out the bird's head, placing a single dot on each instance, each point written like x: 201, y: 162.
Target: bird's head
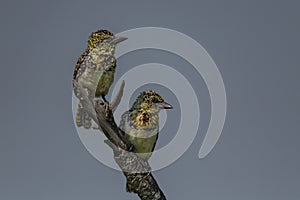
x: 151, y: 102
x: 105, y: 40
x: 145, y: 109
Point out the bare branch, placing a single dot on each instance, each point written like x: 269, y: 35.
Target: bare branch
x: 109, y: 126
x: 139, y: 178
x: 136, y: 170
x: 118, y: 97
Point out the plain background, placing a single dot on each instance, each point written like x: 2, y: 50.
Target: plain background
x: 254, y: 43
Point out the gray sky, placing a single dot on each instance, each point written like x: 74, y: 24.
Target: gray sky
x: 255, y: 45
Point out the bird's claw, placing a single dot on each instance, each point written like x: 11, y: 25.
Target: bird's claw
x: 106, y: 108
x: 105, y: 104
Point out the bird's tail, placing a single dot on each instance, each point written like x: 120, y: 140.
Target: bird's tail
x: 83, y: 118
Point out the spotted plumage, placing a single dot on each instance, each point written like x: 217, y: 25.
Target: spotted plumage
x: 94, y: 70
x: 141, y: 123
x: 95, y: 39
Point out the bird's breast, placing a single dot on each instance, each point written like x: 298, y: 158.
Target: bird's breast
x: 92, y: 73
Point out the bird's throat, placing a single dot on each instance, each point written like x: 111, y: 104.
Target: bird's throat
x: 146, y: 119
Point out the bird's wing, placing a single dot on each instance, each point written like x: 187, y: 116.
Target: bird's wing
x: 156, y: 137
x: 78, y: 70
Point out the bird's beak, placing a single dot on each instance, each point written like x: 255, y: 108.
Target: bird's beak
x: 117, y: 40
x: 165, y: 105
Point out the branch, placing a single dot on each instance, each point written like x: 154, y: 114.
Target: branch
x: 117, y: 99
x: 139, y: 178
x: 136, y: 170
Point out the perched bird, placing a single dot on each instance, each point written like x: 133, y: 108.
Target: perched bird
x: 141, y: 123
x: 94, y: 71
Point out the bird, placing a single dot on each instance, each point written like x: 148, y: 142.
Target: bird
x: 140, y: 123
x: 94, y: 71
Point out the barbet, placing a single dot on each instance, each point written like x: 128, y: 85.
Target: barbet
x: 94, y: 71
x: 141, y: 123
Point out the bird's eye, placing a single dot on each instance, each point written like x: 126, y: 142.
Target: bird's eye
x: 154, y: 100
x: 107, y: 39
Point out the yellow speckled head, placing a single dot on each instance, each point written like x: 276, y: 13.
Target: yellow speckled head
x: 98, y: 37
x: 149, y: 99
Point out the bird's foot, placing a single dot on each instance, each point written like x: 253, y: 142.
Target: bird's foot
x: 104, y: 104
x: 106, y: 107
